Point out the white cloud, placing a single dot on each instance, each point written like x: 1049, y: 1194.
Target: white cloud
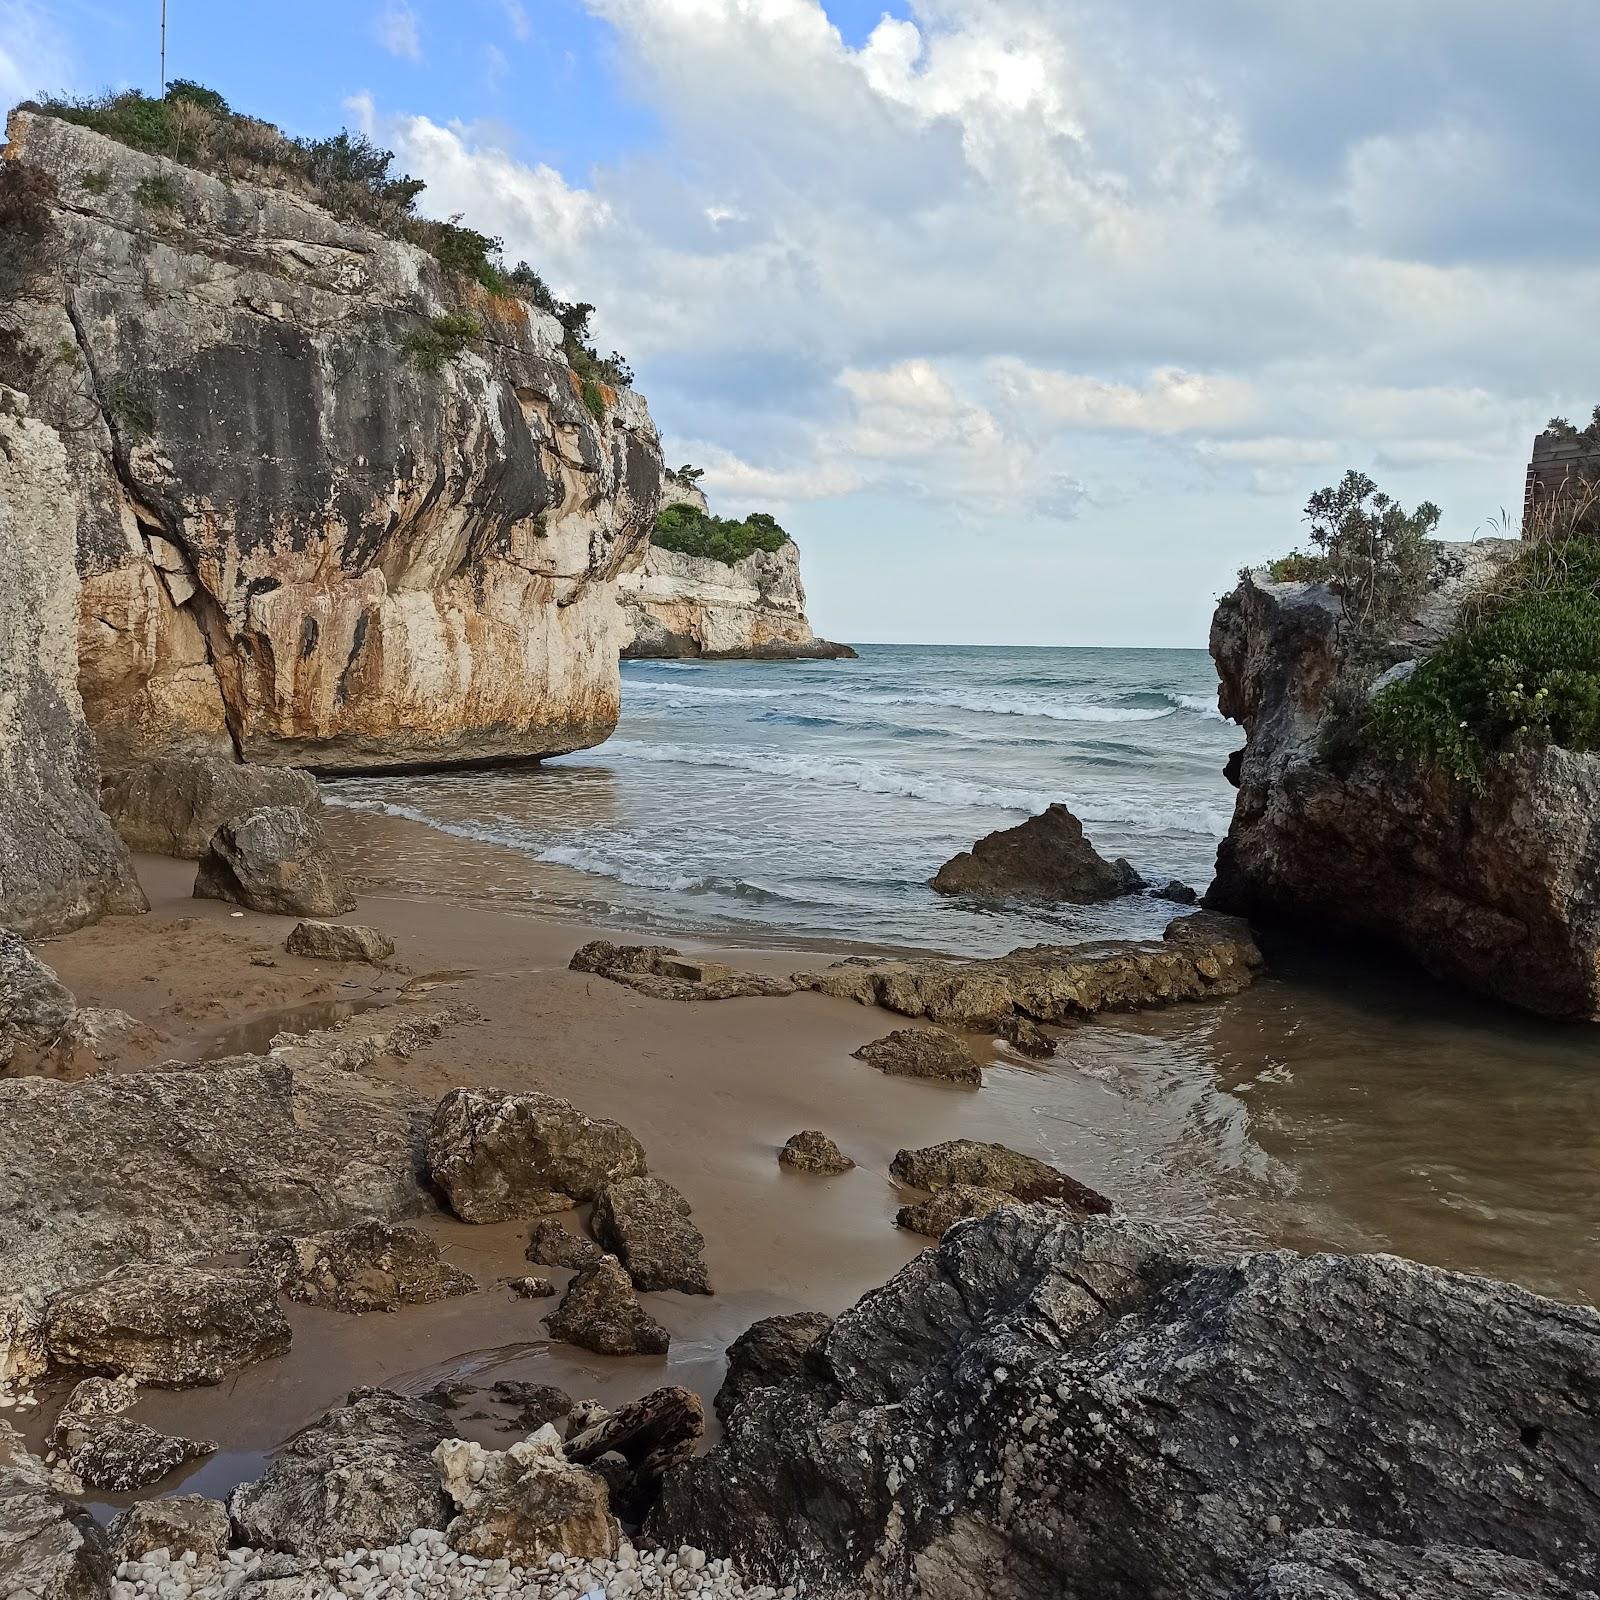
x: 398, y: 31
x: 34, y: 58
x: 517, y: 19
x: 495, y: 65
x: 1171, y: 401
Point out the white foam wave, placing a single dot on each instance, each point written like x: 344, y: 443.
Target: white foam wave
x: 1205, y: 704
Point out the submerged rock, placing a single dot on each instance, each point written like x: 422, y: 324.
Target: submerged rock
x: 172, y: 1327
x: 525, y: 1504
x: 49, y: 1548
x: 372, y: 1266
x: 176, y: 1524
x: 339, y: 941
x: 966, y: 1162
x: 644, y: 1222
x: 1086, y: 1409
x: 600, y: 1312
x: 768, y: 1352
x: 811, y: 1151
x: 664, y: 973
x: 1044, y: 858
x: 104, y: 1449
x: 362, y: 1477
x: 946, y: 1207
x: 922, y: 1053
x: 173, y: 804
x: 275, y: 859
x: 1025, y: 1036
x: 498, y: 1155
x: 1200, y: 957
x: 551, y: 1245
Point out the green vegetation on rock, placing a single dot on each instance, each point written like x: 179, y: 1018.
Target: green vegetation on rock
x: 442, y: 340
x: 692, y: 532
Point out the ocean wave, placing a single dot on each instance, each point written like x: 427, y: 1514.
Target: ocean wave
x: 1204, y: 704
x: 659, y: 875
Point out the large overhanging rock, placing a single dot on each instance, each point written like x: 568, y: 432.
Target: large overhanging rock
x: 1043, y: 1408
x: 298, y: 543
x: 1498, y: 889
x: 61, y: 865
x: 156, y: 1165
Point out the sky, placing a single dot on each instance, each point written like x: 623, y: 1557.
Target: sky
x: 1032, y: 320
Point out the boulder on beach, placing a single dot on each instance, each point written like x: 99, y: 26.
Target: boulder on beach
x: 968, y: 1162
x: 498, y: 1155
x: 49, y: 1548
x: 1044, y: 858
x: 179, y: 1523
x: 644, y: 1223
x: 172, y: 804
x: 768, y: 1352
x: 946, y: 1207
x: 106, y: 1450
x: 371, y: 1266
x: 173, y: 1327
x: 35, y: 1006
x: 923, y: 1053
x: 551, y: 1245
x: 339, y: 941
x: 1092, y: 1409
x: 663, y: 973
x: 531, y: 1288
x: 277, y: 860
x: 600, y: 1312
x: 361, y: 1477
x: 813, y: 1151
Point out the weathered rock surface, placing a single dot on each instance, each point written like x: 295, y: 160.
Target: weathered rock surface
x: 1044, y: 858
x: 154, y: 1165
x: 992, y: 1166
x: 600, y: 1312
x: 1200, y: 957
x: 922, y: 1053
x: 531, y: 1288
x: 551, y: 1245
x: 1042, y: 1408
x: 677, y: 606
x: 372, y: 1266
x: 813, y: 1151
x: 61, y: 863
x: 524, y: 1504
x: 1325, y: 1564
x: 172, y: 1327
x: 1495, y: 889
x: 35, y: 1005
x: 277, y: 860
x: 644, y: 1223
x: 179, y: 1523
x: 49, y: 1548
x: 948, y: 1206
x: 663, y: 973
x: 104, y: 1449
x: 339, y: 941
x: 296, y: 540
x: 362, y: 1477
x: 536, y: 1403
x: 653, y: 1434
x: 768, y: 1352
x: 173, y: 805
x: 1025, y: 1036
x: 498, y: 1155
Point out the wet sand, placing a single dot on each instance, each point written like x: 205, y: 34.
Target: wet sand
x: 1320, y: 1110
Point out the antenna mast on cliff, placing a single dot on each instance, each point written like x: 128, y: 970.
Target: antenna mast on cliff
x: 163, y: 47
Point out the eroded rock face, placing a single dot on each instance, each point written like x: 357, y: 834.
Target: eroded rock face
x: 154, y: 1165
x: 178, y: 1523
x: 551, y: 1245
x: 339, y: 941
x: 1044, y: 858
x: 1199, y: 957
x: 993, y: 1166
x: 498, y: 1155
x: 1495, y: 889
x: 298, y: 543
x: 373, y: 1266
x: 277, y: 860
x: 363, y: 1476
x: 172, y: 1327
x: 1048, y: 1409
x: 653, y: 1435
x: 173, y: 805
x: 600, y: 1312
x: 49, y: 1549
x: 813, y: 1151
x: 61, y: 864
x: 923, y: 1053
x: 768, y: 1352
x: 644, y: 1222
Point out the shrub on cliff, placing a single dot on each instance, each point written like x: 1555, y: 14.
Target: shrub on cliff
x: 692, y: 532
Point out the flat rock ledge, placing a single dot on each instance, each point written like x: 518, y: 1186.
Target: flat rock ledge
x: 663, y: 973
x: 1042, y: 1406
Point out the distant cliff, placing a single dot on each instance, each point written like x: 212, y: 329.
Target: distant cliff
x: 337, y: 505
x: 680, y: 605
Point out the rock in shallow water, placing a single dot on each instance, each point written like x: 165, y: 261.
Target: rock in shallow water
x: 934, y: 1216
x: 373, y: 1266
x: 922, y: 1053
x: 106, y: 1450
x: 600, y: 1312
x: 1086, y: 1409
x: 644, y: 1222
x: 663, y: 973
x: 498, y: 1155
x: 275, y: 859
x: 1045, y: 858
x: 811, y: 1151
x: 551, y: 1245
x: 49, y: 1548
x: 992, y: 1166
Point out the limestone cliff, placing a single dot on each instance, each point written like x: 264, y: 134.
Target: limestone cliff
x: 301, y: 540
x: 680, y: 605
x: 61, y: 865
x: 1498, y: 888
